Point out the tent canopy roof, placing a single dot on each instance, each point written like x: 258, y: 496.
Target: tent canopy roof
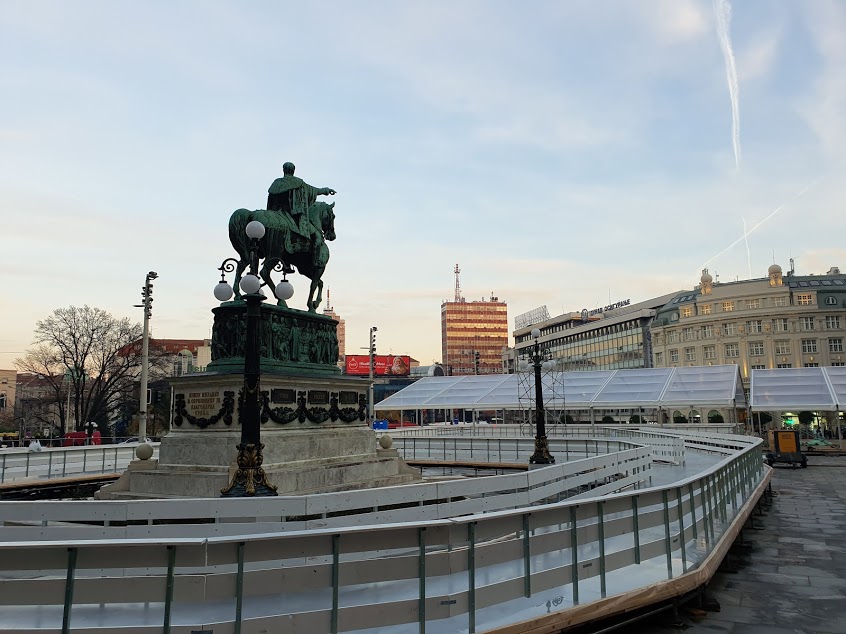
x: 715, y: 386
x: 798, y: 388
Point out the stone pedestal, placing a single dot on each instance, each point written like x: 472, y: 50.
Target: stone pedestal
x: 292, y: 342
x: 313, y: 430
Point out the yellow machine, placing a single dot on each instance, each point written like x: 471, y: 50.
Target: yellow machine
x: 785, y: 448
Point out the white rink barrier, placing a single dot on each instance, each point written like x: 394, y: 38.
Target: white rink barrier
x: 627, y: 466
x: 665, y: 447
x: 65, y: 462
x: 472, y: 572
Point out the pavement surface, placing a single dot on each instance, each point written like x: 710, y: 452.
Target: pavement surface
x: 793, y: 578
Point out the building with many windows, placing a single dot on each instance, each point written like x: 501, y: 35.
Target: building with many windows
x: 609, y: 338
x: 329, y: 311
x: 778, y: 321
x: 8, y: 389
x: 37, y: 407
x: 473, y: 335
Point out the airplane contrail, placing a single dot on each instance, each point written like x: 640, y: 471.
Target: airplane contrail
x: 745, y: 235
x: 722, y: 10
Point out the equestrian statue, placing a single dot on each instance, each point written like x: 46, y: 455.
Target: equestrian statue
x: 297, y: 227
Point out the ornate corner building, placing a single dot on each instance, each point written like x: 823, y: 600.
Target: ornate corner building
x: 779, y: 321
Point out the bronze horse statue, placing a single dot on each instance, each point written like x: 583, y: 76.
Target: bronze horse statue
x: 308, y: 255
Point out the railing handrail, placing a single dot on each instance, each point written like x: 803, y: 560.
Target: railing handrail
x: 333, y: 502
x: 465, y: 519
x: 665, y: 521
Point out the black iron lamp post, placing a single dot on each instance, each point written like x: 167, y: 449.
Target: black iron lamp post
x: 541, y: 455
x: 250, y: 479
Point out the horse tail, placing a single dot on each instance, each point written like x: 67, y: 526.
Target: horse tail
x: 238, y: 230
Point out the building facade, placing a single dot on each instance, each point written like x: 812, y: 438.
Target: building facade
x: 473, y: 335
x: 780, y: 321
x: 37, y: 407
x: 329, y: 311
x: 8, y: 390
x: 609, y: 338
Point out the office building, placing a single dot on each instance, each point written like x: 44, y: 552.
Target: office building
x: 473, y: 334
x: 611, y: 337
x: 329, y: 311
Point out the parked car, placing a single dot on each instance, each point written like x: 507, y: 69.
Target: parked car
x: 134, y: 439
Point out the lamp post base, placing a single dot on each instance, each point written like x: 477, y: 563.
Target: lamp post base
x: 249, y: 480
x: 541, y: 455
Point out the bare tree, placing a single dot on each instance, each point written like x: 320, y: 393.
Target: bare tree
x: 90, y: 360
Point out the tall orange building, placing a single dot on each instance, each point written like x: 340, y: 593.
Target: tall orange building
x: 473, y: 334
x: 329, y: 311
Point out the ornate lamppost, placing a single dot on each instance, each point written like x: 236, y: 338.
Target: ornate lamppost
x: 538, y: 357
x: 249, y: 478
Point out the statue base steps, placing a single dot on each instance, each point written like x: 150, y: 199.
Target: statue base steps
x: 197, y: 459
x: 163, y: 482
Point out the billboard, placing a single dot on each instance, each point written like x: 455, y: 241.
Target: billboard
x: 383, y: 364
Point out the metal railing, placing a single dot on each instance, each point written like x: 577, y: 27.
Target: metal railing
x: 21, y: 464
x: 573, y: 430
x: 627, y: 465
x: 665, y: 447
x: 476, y: 572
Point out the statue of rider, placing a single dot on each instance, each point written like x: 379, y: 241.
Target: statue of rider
x: 295, y: 196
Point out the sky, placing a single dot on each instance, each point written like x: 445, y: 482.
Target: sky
x: 569, y: 153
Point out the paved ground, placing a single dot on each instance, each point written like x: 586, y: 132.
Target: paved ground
x: 794, y: 579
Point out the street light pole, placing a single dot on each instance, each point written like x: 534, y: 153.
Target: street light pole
x: 373, y: 330
x: 541, y: 455
x: 250, y: 479
x: 147, y: 298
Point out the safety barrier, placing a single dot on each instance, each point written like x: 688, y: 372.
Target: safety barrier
x: 516, y: 450
x: 21, y: 464
x: 475, y: 572
x: 573, y: 430
x: 627, y: 466
x: 666, y: 447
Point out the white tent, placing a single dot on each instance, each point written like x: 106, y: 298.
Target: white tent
x: 817, y: 389
x: 650, y: 388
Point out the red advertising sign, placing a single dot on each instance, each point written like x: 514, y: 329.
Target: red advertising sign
x: 383, y: 364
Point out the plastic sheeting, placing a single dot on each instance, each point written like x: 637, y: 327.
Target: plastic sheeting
x: 816, y: 389
x: 714, y: 386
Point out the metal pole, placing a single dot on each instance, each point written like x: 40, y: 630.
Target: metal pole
x: 147, y: 293
x: 372, y: 352
x: 541, y: 455
x: 250, y: 479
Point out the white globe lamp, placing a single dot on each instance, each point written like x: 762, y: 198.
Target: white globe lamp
x: 222, y: 292
x: 255, y: 230
x: 284, y: 290
x: 251, y: 284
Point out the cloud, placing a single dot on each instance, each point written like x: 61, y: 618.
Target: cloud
x: 677, y: 20
x: 824, y: 108
x: 756, y: 60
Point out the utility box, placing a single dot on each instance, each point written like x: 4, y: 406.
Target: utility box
x: 785, y: 449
